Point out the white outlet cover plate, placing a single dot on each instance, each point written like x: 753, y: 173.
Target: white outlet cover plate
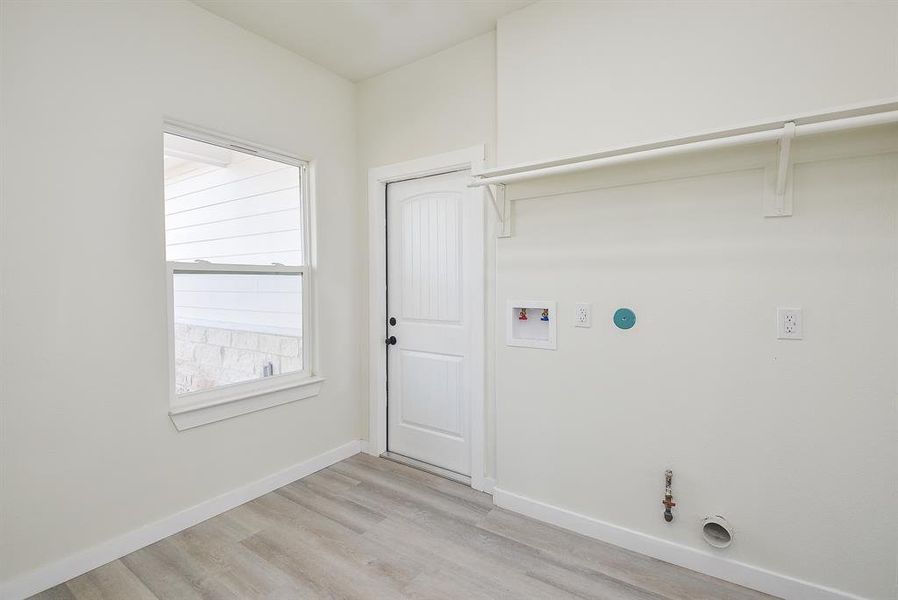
x: 583, y: 314
x: 789, y: 324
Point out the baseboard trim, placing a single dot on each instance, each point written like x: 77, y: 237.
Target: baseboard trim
x: 81, y: 562
x: 489, y: 484
x: 740, y: 573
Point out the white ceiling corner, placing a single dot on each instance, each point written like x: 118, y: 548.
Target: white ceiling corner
x: 358, y: 39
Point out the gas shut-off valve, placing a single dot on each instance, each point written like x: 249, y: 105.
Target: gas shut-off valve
x: 668, y: 496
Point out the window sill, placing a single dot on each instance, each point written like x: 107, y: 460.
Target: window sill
x: 233, y: 401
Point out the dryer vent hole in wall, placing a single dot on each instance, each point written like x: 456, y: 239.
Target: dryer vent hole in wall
x: 717, y: 532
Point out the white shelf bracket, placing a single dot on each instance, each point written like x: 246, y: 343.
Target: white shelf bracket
x: 502, y: 206
x: 778, y: 201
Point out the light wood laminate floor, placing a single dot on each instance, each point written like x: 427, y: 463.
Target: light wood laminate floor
x: 369, y: 528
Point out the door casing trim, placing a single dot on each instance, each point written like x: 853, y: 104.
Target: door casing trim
x: 378, y: 177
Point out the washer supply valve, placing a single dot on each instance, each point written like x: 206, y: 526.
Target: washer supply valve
x: 668, y: 496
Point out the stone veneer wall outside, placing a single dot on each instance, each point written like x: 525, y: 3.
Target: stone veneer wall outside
x: 206, y: 357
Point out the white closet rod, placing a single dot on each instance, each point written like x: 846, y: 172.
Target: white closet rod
x: 807, y: 125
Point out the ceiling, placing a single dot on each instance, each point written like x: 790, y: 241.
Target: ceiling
x: 362, y: 38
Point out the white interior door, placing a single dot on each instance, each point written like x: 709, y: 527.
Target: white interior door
x: 435, y: 295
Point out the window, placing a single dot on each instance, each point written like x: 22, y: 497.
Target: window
x: 236, y: 246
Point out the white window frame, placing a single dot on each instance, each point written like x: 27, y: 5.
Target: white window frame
x: 223, y: 402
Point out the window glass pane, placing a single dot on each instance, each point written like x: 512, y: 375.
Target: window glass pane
x: 225, y: 206
x: 231, y: 328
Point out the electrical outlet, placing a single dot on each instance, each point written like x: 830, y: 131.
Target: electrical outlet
x: 789, y: 324
x: 582, y: 315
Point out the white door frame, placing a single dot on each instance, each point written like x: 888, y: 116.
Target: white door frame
x: 469, y: 158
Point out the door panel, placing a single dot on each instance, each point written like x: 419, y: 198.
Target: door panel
x: 429, y: 258
x: 434, y: 241
x: 432, y: 389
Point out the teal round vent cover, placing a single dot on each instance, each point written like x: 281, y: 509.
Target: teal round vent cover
x: 624, y: 318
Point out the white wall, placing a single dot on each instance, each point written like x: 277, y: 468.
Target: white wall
x: 444, y: 102
x: 794, y: 442
x: 438, y: 104
x: 576, y: 77
x: 87, y: 450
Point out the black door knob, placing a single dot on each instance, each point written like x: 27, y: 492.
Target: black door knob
x: 391, y: 340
